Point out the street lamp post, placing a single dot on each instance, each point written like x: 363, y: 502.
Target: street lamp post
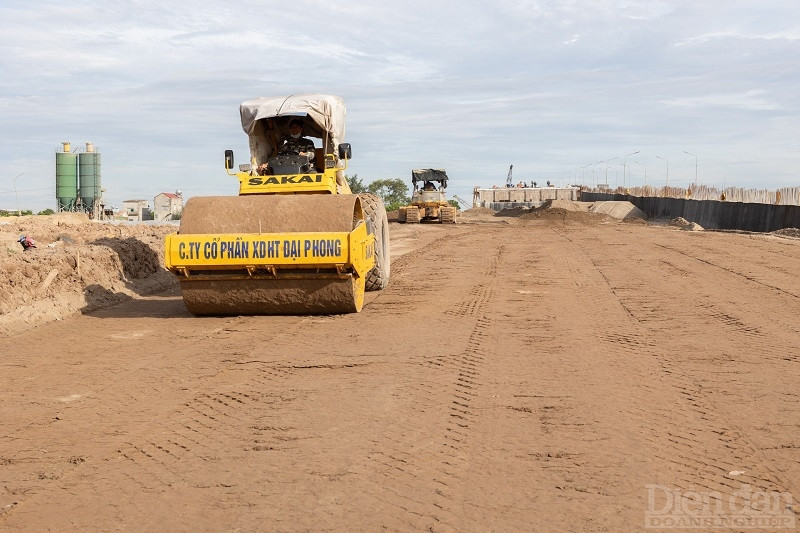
x: 583, y: 171
x: 625, y: 166
x: 667, y: 162
x: 575, y: 170
x: 593, y: 169
x: 19, y: 211
x: 695, y: 167
x: 645, y: 171
x: 606, y: 161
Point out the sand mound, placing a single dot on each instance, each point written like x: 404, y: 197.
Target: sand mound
x: 77, y: 265
x: 679, y: 222
x: 475, y: 212
x: 583, y: 212
x: 618, y: 209
x: 566, y: 205
x: 683, y: 224
x: 515, y: 211
x: 788, y: 232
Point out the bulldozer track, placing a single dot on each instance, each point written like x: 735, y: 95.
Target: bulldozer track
x: 447, y: 215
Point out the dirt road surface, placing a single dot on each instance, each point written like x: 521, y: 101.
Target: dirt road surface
x: 532, y: 375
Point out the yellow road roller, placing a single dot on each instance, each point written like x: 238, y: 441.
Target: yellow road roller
x: 295, y: 240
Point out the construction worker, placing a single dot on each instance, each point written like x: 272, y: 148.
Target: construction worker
x: 26, y: 242
x: 296, y: 144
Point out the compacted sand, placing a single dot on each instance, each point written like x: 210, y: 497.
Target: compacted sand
x: 556, y: 372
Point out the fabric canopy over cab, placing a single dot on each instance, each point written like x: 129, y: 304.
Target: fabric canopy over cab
x: 266, y: 120
x: 429, y: 174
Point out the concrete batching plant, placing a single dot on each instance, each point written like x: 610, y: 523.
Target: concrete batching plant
x: 78, y: 185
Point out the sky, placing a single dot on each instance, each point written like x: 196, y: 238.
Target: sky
x: 564, y: 90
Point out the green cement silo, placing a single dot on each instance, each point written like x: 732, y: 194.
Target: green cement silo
x: 66, y: 179
x: 89, y: 168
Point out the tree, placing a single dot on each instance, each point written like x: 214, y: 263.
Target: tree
x: 355, y: 184
x: 393, y: 192
x: 47, y: 211
x: 455, y: 204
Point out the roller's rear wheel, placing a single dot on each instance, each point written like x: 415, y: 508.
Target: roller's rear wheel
x: 375, y: 213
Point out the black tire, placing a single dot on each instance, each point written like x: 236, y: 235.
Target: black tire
x: 375, y: 213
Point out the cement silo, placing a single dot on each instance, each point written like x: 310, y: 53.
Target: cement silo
x: 66, y: 179
x: 90, y: 190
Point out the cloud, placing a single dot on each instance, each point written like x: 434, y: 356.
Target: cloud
x: 750, y: 100
x: 549, y: 85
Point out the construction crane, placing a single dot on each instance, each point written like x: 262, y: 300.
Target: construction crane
x: 508, y: 179
x: 464, y: 203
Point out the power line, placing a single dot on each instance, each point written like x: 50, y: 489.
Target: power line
x: 28, y: 190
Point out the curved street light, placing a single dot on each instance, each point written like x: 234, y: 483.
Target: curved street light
x: 19, y: 211
x: 645, y: 171
x: 695, y: 167
x: 575, y: 170
x: 625, y: 166
x: 594, y: 166
x: 667, y: 162
x: 583, y: 172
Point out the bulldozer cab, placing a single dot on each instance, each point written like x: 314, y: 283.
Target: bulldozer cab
x: 428, y: 198
x: 429, y: 178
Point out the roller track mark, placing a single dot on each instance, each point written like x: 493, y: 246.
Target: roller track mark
x: 431, y: 464
x: 613, y: 290
x: 700, y: 443
x: 692, y: 442
x: 729, y: 270
x: 401, y: 296
x: 468, y: 369
x: 736, y: 324
x: 477, y: 298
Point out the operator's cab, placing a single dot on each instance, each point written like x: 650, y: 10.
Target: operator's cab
x: 429, y: 187
x: 291, y: 164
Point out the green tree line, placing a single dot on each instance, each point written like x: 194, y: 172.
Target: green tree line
x: 393, y: 191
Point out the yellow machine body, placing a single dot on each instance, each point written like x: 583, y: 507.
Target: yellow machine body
x: 295, y: 240
x: 266, y: 253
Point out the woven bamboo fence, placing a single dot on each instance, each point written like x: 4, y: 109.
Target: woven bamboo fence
x: 783, y: 196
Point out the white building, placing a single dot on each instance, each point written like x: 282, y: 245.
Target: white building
x: 167, y: 206
x: 136, y: 210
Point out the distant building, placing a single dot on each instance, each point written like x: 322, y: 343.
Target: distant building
x: 167, y: 206
x: 136, y: 210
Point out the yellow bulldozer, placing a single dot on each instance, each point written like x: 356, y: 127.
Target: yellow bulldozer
x: 428, y: 201
x: 295, y: 240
